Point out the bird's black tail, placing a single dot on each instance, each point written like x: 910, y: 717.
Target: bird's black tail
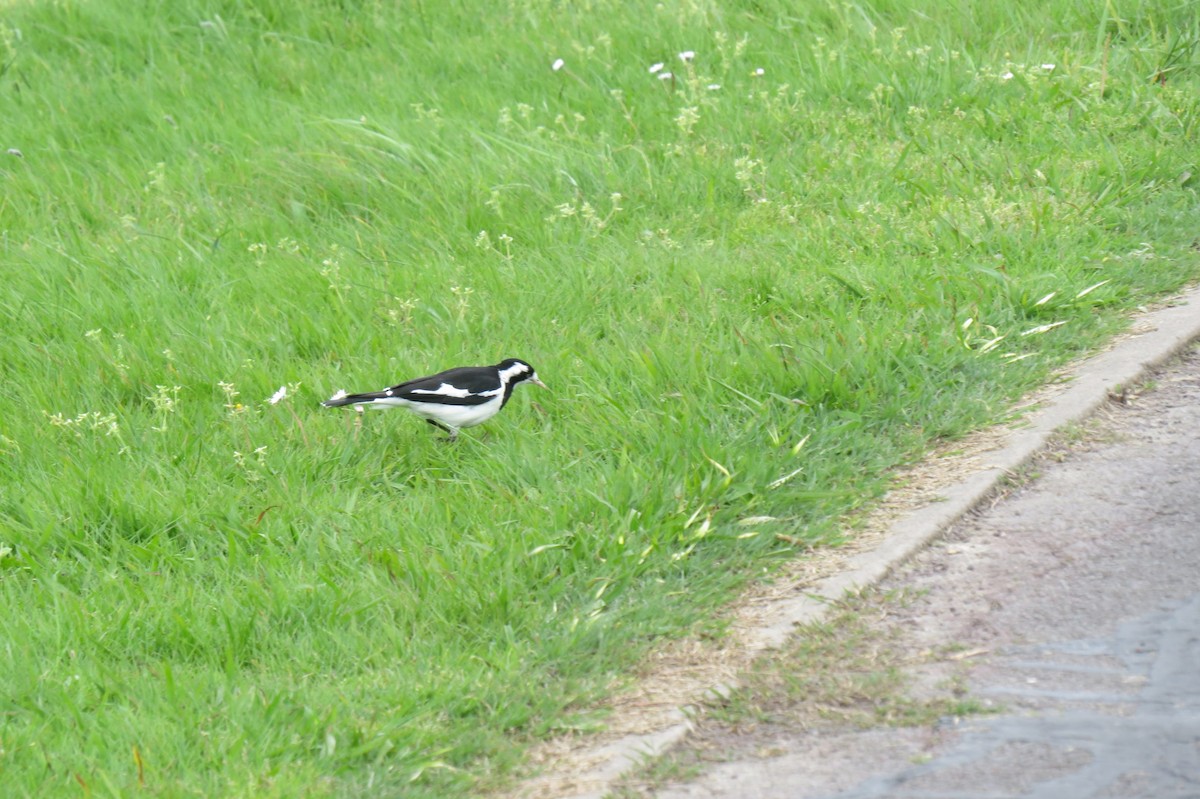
x: 353, y: 399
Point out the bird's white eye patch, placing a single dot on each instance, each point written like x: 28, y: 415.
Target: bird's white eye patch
x: 515, y: 370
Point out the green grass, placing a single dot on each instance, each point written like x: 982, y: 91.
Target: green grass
x: 208, y: 595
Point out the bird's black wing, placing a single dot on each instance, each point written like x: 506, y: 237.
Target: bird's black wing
x: 465, y: 385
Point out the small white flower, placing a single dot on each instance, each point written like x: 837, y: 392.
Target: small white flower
x: 712, y: 87
x: 557, y: 65
x: 1006, y: 76
x: 687, y: 55
x: 665, y: 76
x: 656, y: 67
x: 278, y: 395
x: 1047, y: 67
x: 758, y: 73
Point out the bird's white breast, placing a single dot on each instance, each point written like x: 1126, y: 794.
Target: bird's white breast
x: 449, y: 415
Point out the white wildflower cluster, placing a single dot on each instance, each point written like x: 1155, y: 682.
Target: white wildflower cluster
x: 570, y: 125
x: 231, y: 394
x: 284, y: 391
x: 462, y: 300
x: 430, y: 115
x: 585, y: 52
x: 661, y: 237
x: 591, y: 219
x: 483, y: 241
x: 331, y: 270
x: 721, y: 39
x: 112, y: 350
x: 254, y: 465
x: 400, y: 312
x: 524, y: 121
x: 691, y: 80
x: 164, y: 399
x: 88, y: 421
x: 1030, y: 72
x: 751, y: 175
x: 687, y: 118
x: 259, y: 249
x: 157, y: 178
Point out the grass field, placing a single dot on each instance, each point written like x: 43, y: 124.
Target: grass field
x: 755, y: 280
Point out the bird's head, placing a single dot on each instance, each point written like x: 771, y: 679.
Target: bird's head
x: 514, y: 370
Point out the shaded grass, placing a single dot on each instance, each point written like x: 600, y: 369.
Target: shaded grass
x: 844, y: 251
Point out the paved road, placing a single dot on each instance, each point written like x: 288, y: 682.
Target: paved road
x: 1077, y: 601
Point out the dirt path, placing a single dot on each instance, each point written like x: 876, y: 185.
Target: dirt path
x: 1068, y: 613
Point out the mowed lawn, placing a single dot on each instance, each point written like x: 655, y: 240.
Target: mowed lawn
x: 820, y: 238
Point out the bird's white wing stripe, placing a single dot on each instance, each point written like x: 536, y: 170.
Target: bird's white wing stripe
x: 447, y: 390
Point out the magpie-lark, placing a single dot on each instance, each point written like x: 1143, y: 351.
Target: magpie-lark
x: 453, y: 399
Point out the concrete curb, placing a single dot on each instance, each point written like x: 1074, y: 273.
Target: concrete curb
x: 1167, y: 332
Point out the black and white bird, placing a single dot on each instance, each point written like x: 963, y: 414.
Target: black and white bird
x: 453, y: 399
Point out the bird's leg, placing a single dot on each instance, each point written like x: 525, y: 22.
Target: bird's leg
x: 453, y: 432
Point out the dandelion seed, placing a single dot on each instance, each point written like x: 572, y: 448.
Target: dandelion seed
x: 654, y: 68
x: 278, y: 395
x: 687, y: 55
x: 665, y: 76
x: 557, y: 65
